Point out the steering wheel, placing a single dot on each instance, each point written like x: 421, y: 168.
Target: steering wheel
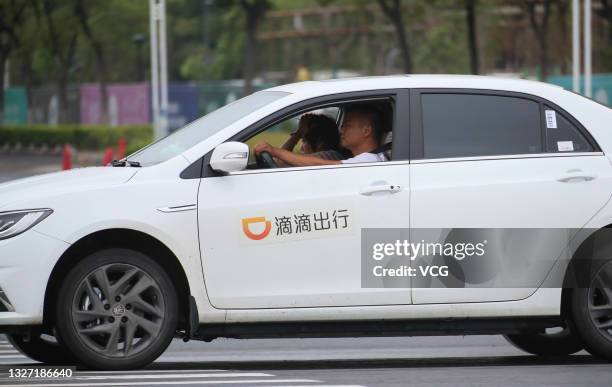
x: 265, y: 160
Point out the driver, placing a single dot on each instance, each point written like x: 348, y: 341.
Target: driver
x: 361, y: 133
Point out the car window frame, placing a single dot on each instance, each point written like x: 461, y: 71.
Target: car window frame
x: 417, y: 147
x: 401, y: 132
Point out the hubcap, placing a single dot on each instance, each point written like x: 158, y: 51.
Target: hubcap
x: 118, y: 310
x: 600, y: 300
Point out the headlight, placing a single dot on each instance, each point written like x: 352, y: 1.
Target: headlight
x: 16, y: 222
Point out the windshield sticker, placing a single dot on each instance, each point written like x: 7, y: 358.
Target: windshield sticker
x: 551, y: 119
x: 565, y: 146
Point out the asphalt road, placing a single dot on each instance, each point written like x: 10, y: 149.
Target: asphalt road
x: 419, y: 361
x: 13, y: 166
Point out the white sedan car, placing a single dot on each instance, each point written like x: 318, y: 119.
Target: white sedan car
x: 192, y: 237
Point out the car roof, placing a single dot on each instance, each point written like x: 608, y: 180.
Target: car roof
x: 324, y: 87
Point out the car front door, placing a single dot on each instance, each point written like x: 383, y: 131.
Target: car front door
x: 495, y: 168
x: 290, y: 237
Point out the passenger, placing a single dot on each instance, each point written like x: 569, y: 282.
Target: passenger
x: 361, y: 133
x: 319, y: 135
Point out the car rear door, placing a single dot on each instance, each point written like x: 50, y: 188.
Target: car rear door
x: 493, y: 168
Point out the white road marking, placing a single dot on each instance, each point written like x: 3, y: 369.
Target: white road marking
x: 183, y: 382
x: 179, y: 376
x: 146, y: 371
x: 76, y: 375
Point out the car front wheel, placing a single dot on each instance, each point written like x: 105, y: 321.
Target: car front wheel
x: 42, y: 348
x: 117, y: 309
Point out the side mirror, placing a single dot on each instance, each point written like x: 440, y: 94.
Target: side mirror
x: 230, y: 157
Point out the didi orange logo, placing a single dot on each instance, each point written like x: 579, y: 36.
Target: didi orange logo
x: 246, y: 223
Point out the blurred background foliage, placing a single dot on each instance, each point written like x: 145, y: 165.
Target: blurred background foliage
x: 59, y: 43
x: 207, y: 38
x: 57, y: 46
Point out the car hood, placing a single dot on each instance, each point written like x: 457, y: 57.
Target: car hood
x: 52, y: 184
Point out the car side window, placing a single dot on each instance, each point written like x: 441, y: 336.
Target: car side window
x: 465, y: 125
x: 562, y: 135
x: 321, y: 133
x: 278, y: 134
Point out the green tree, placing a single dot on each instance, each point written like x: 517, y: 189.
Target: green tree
x: 83, y: 11
x: 62, y: 35
x: 540, y: 27
x: 11, y: 16
x: 606, y: 13
x: 393, y: 11
x: 254, y: 11
x: 470, y: 12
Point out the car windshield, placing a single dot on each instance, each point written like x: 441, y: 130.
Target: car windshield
x: 202, y: 128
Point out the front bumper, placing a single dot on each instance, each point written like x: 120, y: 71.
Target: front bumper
x: 26, y: 262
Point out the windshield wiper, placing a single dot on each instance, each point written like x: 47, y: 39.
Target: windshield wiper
x: 123, y: 163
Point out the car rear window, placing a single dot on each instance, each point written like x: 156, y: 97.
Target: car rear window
x: 464, y: 125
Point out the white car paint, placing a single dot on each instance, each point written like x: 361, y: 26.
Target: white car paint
x: 475, y: 194
x: 311, y: 279
x: 301, y: 272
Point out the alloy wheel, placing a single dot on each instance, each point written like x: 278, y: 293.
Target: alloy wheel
x: 600, y: 300
x: 118, y: 310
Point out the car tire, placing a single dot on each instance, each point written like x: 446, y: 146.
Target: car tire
x: 560, y: 343
x: 117, y: 310
x: 41, y: 348
x: 592, y: 310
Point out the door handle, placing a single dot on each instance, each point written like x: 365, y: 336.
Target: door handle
x: 389, y: 188
x: 576, y: 176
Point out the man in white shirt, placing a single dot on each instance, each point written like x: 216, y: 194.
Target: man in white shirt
x: 361, y: 133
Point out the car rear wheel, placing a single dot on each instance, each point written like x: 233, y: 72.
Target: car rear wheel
x: 42, y: 348
x: 560, y: 343
x: 592, y: 311
x: 117, y: 309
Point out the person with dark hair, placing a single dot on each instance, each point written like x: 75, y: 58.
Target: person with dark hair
x: 319, y: 135
x: 361, y: 133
